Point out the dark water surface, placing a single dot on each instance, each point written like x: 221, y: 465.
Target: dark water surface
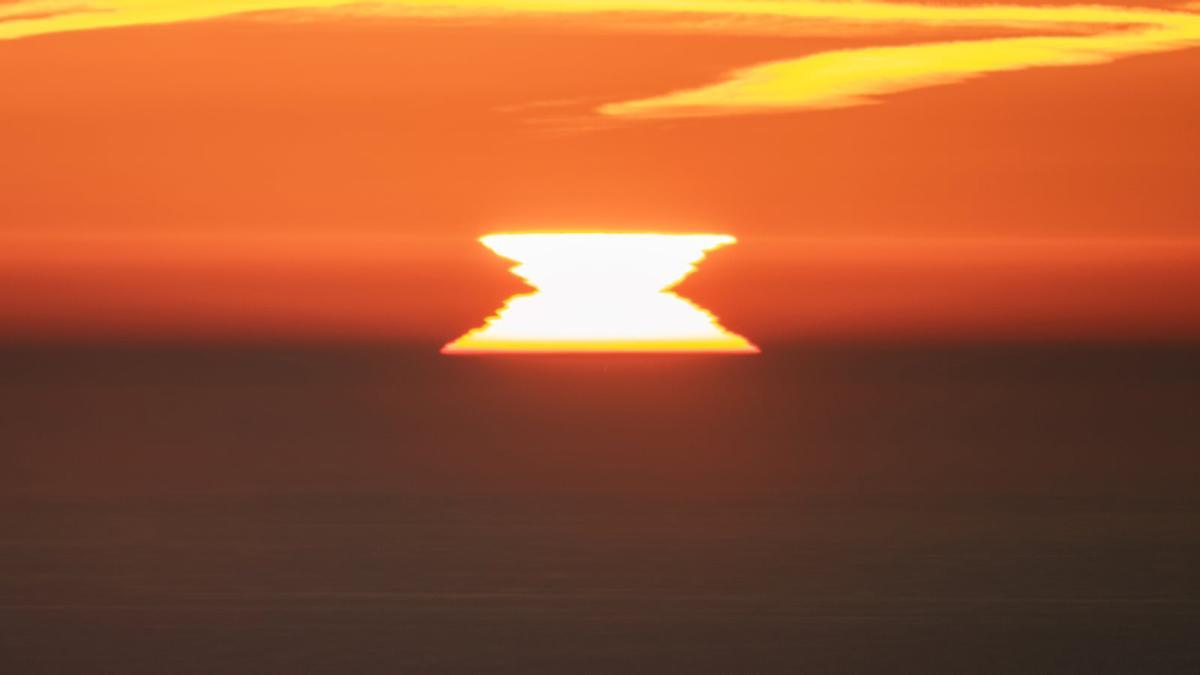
x: 380, y: 585
x: 334, y: 510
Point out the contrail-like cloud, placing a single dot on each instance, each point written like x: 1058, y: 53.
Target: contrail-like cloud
x: 1072, y: 35
x: 853, y: 77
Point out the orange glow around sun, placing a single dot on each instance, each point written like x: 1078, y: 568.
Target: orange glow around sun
x: 601, y: 292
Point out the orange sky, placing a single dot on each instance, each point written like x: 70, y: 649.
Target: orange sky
x: 326, y: 175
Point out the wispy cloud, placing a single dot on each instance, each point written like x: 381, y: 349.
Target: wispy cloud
x: 1072, y: 35
x: 853, y: 77
x: 12, y: 11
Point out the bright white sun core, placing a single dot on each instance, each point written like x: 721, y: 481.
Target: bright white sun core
x: 602, y: 293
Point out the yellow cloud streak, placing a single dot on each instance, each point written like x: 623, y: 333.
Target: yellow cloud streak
x: 834, y: 79
x: 852, y: 77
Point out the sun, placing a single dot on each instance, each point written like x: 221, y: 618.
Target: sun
x: 602, y: 292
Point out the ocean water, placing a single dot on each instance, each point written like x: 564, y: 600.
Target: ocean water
x: 336, y: 510
x: 380, y: 585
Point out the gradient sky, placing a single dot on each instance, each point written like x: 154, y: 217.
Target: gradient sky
x: 247, y: 167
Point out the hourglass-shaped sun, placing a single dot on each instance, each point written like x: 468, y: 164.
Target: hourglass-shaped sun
x: 600, y: 292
